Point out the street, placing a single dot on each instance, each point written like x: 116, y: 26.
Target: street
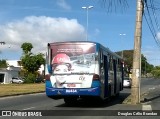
x: 39, y: 102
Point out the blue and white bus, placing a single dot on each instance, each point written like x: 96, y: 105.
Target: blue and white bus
x: 82, y: 69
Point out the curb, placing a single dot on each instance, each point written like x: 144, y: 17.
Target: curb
x: 151, y: 94
x: 145, y: 97
x: 21, y: 94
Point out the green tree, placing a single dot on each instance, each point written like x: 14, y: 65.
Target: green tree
x: 156, y: 72
x: 26, y: 47
x: 145, y: 66
x: 128, y: 60
x: 3, y: 64
x: 31, y: 62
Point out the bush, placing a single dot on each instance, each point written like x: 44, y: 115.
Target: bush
x: 156, y: 73
x: 30, y: 78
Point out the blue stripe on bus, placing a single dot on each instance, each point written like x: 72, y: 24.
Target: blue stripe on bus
x: 77, y: 91
x: 95, y: 84
x: 95, y: 90
x: 49, y: 68
x: 48, y: 83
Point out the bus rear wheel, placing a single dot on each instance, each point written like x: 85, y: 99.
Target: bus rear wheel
x: 70, y: 100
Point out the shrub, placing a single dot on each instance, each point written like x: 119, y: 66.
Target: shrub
x: 30, y: 78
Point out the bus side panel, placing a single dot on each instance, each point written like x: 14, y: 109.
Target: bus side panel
x: 107, y: 90
x: 122, y: 76
x: 115, y: 76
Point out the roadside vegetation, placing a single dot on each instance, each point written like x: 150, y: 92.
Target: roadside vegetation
x: 19, y: 89
x: 156, y: 72
x: 31, y: 63
x: 147, y: 69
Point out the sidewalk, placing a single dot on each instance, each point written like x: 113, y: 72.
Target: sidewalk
x: 150, y: 95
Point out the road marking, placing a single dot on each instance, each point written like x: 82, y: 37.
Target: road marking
x: 146, y: 107
x: 152, y: 88
x: 28, y: 108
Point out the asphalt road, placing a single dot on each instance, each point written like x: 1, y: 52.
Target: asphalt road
x: 39, y: 102
x: 152, y: 95
x: 148, y: 84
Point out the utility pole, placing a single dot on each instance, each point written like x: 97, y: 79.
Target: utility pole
x: 136, y: 73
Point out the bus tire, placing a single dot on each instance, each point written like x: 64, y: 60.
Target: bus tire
x: 117, y: 95
x: 120, y: 85
x: 70, y: 100
x: 109, y: 90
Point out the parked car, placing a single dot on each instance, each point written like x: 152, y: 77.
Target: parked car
x: 39, y: 80
x: 127, y: 82
x: 17, y: 80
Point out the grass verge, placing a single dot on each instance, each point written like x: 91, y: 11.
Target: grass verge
x: 18, y: 89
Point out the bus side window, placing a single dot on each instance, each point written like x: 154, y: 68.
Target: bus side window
x: 119, y: 65
x: 101, y: 60
x: 101, y: 57
x: 110, y: 63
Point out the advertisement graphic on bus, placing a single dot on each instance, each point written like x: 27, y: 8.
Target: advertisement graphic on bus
x: 73, y: 65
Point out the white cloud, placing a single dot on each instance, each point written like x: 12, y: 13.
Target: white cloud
x: 39, y: 31
x: 63, y: 4
x: 158, y: 36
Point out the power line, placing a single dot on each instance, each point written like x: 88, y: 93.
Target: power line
x: 150, y: 24
x: 152, y: 31
x: 156, y: 2
x: 113, y: 5
x: 155, y: 8
x: 154, y: 14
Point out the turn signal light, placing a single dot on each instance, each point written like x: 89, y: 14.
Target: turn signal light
x: 95, y: 77
x: 47, y: 77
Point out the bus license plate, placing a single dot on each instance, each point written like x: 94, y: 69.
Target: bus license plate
x: 71, y: 85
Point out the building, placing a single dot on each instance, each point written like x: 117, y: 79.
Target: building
x: 14, y: 66
x: 14, y: 63
x: 7, y: 74
x: 12, y: 70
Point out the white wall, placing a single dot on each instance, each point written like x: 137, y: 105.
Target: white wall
x: 8, y: 74
x: 15, y: 64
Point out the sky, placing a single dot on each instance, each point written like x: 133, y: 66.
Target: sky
x: 44, y: 21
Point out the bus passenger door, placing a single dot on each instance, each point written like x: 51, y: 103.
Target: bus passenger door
x: 106, y: 92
